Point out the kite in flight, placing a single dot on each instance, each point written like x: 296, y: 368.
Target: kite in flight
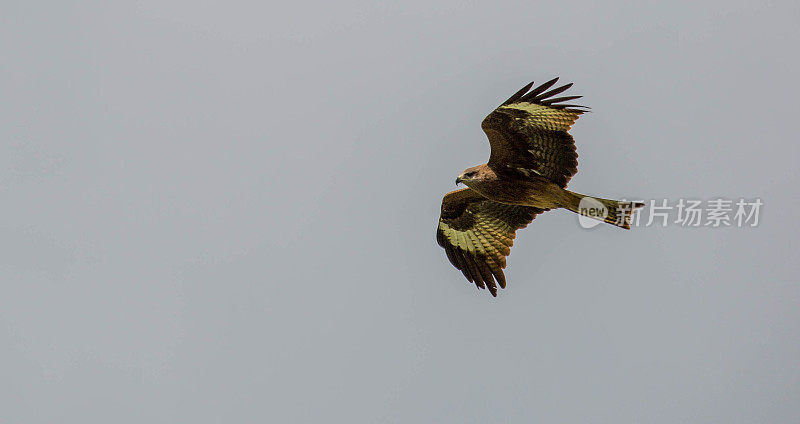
x: 532, y: 159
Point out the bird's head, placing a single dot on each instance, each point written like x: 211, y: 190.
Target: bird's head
x: 470, y: 175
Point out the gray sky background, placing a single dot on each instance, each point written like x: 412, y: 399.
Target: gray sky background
x: 225, y: 212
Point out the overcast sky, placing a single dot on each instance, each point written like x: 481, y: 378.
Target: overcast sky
x: 226, y: 212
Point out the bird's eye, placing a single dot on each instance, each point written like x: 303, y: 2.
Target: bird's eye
x: 471, y: 174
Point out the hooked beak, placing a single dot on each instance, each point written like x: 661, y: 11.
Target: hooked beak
x: 458, y: 180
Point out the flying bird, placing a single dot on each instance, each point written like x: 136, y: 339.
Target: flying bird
x: 532, y: 158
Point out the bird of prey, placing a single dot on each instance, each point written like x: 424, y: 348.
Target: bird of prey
x: 532, y: 159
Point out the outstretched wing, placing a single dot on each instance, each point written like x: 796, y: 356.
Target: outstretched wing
x: 477, y: 235
x: 528, y: 134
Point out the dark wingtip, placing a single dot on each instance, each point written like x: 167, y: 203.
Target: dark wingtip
x: 519, y: 94
x: 501, y: 279
x: 559, y: 99
x: 540, y: 95
x: 553, y: 92
x: 550, y: 83
x: 538, y: 90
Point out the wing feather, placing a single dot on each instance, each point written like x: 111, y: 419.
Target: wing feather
x: 553, y: 92
x: 538, y: 90
x: 477, y: 234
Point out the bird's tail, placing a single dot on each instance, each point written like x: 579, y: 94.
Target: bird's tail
x: 610, y: 211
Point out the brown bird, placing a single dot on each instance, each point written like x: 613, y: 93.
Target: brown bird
x: 532, y: 159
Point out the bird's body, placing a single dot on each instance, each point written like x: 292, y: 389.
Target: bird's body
x: 532, y: 159
x: 536, y: 191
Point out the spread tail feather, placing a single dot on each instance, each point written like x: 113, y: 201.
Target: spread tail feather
x: 610, y: 211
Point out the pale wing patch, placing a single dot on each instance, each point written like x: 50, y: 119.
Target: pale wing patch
x: 545, y: 117
x: 482, y: 239
x: 490, y: 235
x: 466, y: 240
